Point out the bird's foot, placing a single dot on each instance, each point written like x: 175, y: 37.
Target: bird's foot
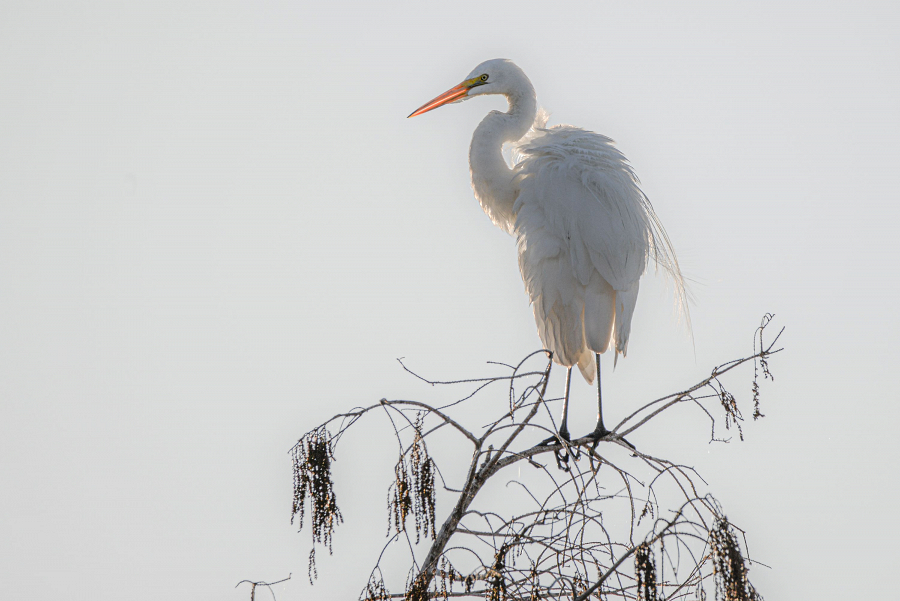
x: 556, y: 439
x: 564, y: 452
x: 601, y: 433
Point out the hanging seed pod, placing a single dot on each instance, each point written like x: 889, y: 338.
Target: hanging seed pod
x: 645, y: 574
x: 496, y: 583
x: 375, y: 589
x: 729, y: 565
x: 417, y: 588
x: 312, y: 457
x: 413, y: 489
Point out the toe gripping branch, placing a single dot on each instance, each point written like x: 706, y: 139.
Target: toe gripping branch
x: 569, y: 449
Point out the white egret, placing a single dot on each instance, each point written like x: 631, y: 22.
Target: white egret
x: 584, y: 228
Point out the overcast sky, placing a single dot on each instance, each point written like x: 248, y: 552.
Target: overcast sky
x: 218, y: 228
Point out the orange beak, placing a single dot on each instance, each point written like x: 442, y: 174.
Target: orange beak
x: 451, y: 95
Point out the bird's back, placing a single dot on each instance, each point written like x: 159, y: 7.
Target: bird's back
x: 585, y: 232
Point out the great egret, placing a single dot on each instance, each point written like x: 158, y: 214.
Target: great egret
x: 584, y: 228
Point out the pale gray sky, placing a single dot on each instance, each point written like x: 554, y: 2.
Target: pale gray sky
x: 217, y: 228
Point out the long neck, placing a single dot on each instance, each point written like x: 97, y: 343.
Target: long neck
x: 492, y: 178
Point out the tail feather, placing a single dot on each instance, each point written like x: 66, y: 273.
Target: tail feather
x: 586, y: 366
x: 599, y: 313
x: 625, y: 303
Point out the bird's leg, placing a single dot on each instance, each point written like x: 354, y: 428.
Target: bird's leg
x: 564, y: 427
x: 600, y: 430
x: 562, y: 437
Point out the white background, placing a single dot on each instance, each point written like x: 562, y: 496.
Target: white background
x: 218, y: 228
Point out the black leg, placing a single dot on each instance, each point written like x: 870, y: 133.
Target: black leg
x: 600, y: 430
x: 564, y: 427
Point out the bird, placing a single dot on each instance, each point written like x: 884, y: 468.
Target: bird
x: 585, y: 231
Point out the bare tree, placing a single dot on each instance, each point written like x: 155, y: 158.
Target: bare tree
x: 586, y: 527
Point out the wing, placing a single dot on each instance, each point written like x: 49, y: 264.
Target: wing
x: 585, y: 234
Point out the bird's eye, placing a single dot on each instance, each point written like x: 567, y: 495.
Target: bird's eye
x: 484, y: 77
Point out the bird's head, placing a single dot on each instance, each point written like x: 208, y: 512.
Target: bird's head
x: 496, y: 76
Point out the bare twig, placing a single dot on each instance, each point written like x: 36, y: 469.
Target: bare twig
x: 253, y: 586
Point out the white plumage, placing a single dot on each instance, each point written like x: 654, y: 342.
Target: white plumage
x: 584, y: 228
x: 585, y: 232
